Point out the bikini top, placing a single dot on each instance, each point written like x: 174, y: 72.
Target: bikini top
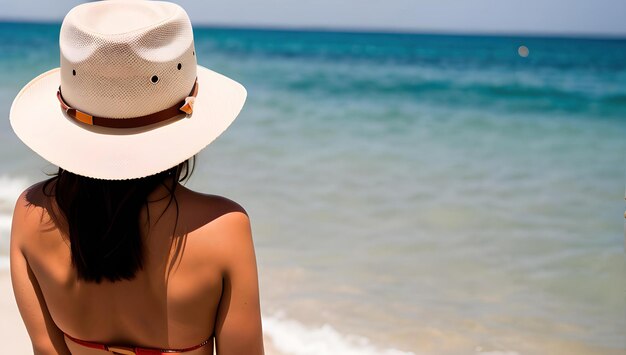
x: 129, y: 350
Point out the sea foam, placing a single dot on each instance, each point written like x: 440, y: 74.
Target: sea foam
x: 295, y: 338
x: 292, y: 337
x: 5, y: 222
x: 4, y: 262
x: 10, y: 189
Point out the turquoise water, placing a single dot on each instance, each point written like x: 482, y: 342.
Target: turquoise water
x: 409, y: 193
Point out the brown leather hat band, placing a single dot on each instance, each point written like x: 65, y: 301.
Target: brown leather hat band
x: 184, y: 106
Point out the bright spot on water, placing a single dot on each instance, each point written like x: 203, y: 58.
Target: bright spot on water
x: 523, y: 51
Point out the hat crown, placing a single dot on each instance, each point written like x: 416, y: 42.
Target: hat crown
x: 125, y: 59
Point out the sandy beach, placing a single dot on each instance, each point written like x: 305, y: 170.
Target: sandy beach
x: 13, y: 334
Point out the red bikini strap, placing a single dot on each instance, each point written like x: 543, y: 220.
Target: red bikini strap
x: 148, y: 351
x: 88, y: 344
x: 126, y: 350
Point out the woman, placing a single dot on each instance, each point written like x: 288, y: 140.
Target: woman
x: 113, y: 254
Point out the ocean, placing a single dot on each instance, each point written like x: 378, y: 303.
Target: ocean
x: 409, y: 193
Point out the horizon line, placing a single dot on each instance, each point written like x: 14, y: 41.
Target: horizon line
x: 374, y: 30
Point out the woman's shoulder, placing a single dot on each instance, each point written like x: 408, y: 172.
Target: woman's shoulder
x: 32, y: 203
x: 32, y: 213
x: 213, y: 206
x: 222, y: 225
x: 218, y: 215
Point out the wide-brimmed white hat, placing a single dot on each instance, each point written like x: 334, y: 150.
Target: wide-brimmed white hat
x: 129, y: 99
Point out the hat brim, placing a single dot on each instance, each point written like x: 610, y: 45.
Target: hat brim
x: 118, y: 154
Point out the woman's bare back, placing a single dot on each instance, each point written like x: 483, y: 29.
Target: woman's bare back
x: 197, y: 282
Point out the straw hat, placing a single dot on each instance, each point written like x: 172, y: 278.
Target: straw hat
x: 129, y: 99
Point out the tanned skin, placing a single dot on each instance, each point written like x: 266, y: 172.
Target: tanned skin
x: 198, y: 281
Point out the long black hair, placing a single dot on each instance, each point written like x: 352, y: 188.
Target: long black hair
x: 103, y: 219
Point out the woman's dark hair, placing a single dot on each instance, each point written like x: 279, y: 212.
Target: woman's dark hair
x: 103, y: 219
